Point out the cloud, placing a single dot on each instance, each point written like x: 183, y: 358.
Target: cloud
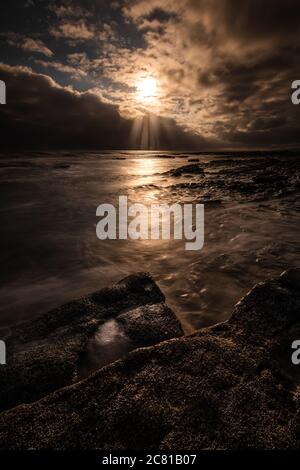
x: 69, y: 10
x: 41, y: 114
x: 35, y: 45
x: 75, y: 72
x: 74, y: 30
x: 223, y: 68
x: 27, y: 44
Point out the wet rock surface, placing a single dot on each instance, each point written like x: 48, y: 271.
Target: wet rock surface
x: 230, y: 386
x: 52, y: 351
x: 251, y: 180
x: 191, y: 169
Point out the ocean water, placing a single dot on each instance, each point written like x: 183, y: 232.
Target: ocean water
x: 50, y: 253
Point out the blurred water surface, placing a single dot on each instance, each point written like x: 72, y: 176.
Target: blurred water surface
x: 50, y: 253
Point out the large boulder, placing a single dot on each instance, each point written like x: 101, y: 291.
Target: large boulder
x: 68, y: 343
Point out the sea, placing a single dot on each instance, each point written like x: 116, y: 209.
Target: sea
x: 50, y: 253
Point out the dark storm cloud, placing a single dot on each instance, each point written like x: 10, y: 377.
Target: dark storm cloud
x: 251, y: 19
x: 224, y: 69
x: 40, y: 113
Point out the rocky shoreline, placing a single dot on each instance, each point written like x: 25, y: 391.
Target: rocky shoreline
x: 259, y: 179
x: 230, y: 386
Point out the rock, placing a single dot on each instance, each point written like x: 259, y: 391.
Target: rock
x: 227, y: 162
x: 239, y: 180
x: 210, y: 202
x: 279, y: 308
x: 52, y: 351
x: 231, y: 386
x: 291, y: 278
x: 192, y: 169
x: 150, y: 324
x: 271, y: 179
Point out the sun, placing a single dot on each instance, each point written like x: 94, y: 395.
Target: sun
x: 146, y: 89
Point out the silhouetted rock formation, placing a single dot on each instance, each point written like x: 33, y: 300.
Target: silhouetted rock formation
x: 225, y: 387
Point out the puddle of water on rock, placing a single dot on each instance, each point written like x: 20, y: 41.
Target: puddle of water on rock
x: 108, y: 344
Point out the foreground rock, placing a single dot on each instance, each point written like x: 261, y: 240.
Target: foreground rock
x: 226, y: 387
x: 66, y: 344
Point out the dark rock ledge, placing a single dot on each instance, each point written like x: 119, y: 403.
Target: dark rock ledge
x: 64, y: 345
x: 226, y: 387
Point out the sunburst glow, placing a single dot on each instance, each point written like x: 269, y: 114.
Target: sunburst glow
x: 147, y: 89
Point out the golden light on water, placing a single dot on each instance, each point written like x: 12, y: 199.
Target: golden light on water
x: 147, y: 89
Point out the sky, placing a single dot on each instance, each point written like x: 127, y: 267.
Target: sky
x: 159, y: 74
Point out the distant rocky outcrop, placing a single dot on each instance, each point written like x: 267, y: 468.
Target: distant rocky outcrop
x: 256, y: 179
x: 231, y: 386
x: 191, y: 169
